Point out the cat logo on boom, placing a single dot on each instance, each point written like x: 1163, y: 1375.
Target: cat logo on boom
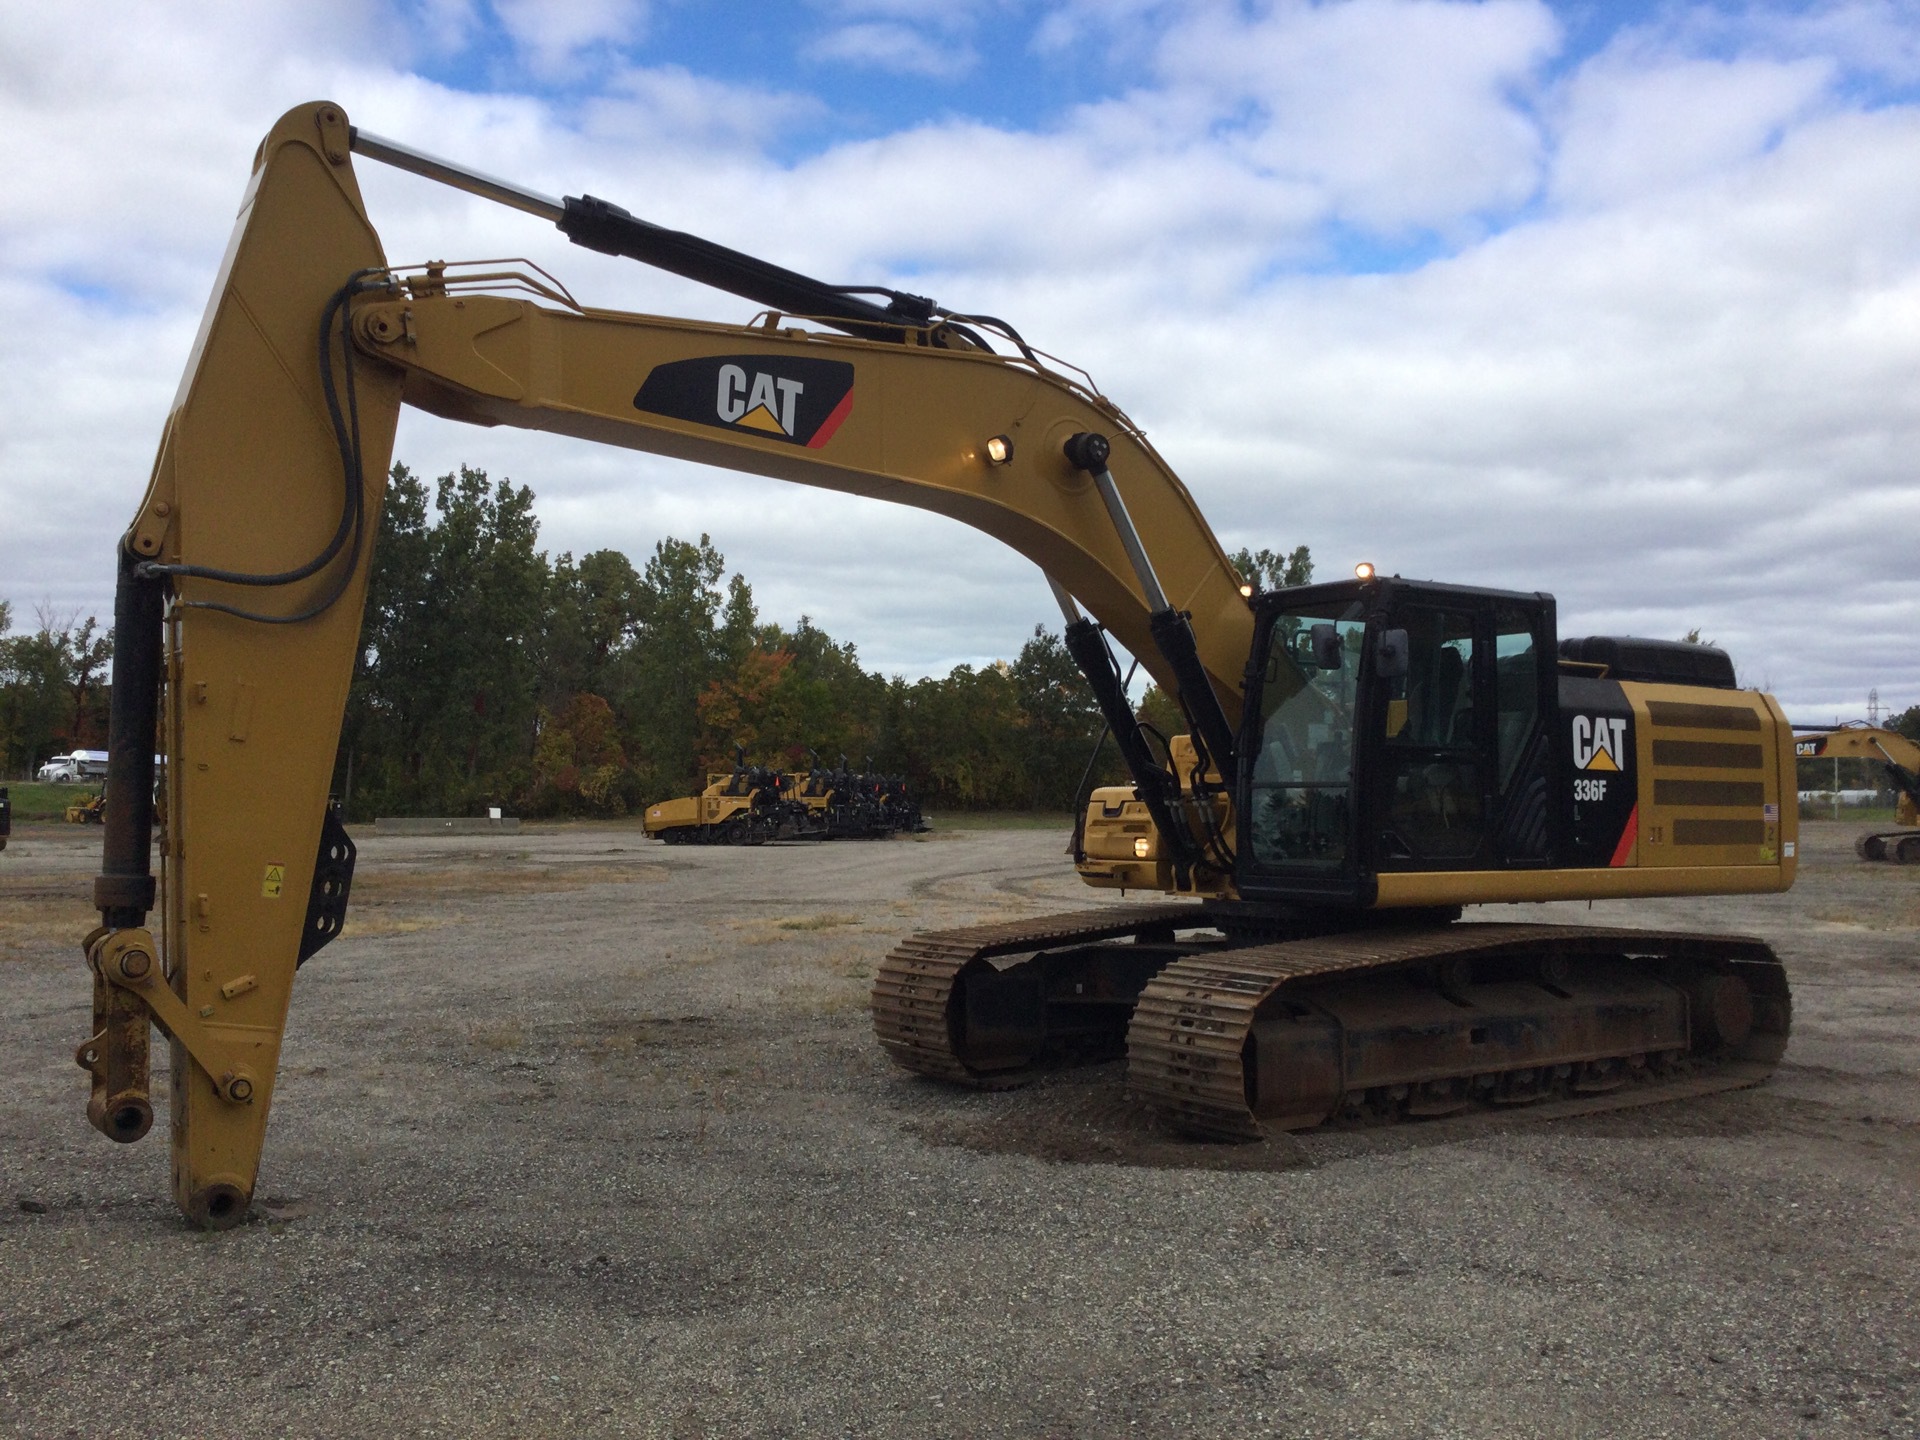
x: 798, y: 399
x: 1599, y: 742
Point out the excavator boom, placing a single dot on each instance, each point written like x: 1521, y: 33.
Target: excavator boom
x: 243, y: 575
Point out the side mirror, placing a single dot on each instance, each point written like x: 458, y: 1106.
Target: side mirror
x: 1390, y: 660
x: 1329, y: 650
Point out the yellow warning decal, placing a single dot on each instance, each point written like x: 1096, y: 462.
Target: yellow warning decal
x: 274, y: 880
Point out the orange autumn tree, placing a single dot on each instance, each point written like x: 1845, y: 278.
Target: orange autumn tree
x: 745, y: 708
x: 578, y: 763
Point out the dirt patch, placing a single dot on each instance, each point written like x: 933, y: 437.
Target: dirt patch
x: 32, y: 925
x: 1086, y: 1117
x: 373, y: 886
x: 575, y: 1134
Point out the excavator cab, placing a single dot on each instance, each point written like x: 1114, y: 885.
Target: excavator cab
x: 1394, y: 726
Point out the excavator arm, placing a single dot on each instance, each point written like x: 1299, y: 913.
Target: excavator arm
x: 243, y: 575
x: 1899, y: 756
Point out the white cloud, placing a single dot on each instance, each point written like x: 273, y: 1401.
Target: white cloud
x: 1873, y: 38
x: 553, y: 33
x: 1628, y: 126
x: 668, y: 106
x: 899, y: 48
x: 1664, y: 367
x: 1401, y: 110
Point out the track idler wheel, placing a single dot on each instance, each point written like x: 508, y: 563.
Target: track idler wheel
x: 1721, y: 1009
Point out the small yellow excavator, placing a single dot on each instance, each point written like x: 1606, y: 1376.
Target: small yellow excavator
x: 1901, y: 759
x: 1362, y: 758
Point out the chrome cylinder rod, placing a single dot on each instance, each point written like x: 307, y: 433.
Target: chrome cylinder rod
x: 402, y: 157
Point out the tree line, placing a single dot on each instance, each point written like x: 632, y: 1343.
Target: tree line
x: 53, y: 688
x: 491, y: 674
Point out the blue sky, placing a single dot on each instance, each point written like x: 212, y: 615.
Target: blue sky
x: 1620, y: 301
x: 883, y: 67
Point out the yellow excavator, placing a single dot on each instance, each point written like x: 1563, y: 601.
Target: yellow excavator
x: 1363, y: 758
x: 1900, y: 757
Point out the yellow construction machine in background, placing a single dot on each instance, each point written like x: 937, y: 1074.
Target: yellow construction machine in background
x: 754, y: 804
x: 88, y: 809
x: 1900, y: 758
x: 744, y: 807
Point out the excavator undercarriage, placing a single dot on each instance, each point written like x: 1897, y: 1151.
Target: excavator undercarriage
x: 1335, y: 1025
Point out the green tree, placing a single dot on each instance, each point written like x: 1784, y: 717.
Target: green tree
x: 578, y: 765
x: 1059, y: 721
x: 1272, y: 570
x: 958, y: 738
x: 675, y: 654
x: 443, y: 711
x: 739, y: 622
x: 1162, y: 712
x: 586, y: 687
x: 592, y: 614
x: 53, y: 692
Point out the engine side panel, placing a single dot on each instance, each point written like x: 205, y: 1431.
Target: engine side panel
x: 1671, y: 790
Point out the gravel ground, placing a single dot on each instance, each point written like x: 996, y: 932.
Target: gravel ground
x: 578, y: 1135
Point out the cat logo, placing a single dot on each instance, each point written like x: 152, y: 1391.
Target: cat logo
x: 757, y: 409
x: 798, y: 399
x: 1808, y: 749
x: 1599, y: 742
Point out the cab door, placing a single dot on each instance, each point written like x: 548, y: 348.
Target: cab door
x: 1297, y: 837
x: 1432, y: 793
x: 1463, y: 761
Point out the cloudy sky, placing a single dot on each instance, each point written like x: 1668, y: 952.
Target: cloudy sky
x: 1620, y: 301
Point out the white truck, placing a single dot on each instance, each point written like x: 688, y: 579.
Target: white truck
x: 74, y: 767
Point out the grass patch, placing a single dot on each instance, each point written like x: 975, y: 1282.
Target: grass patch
x: 1899, y: 917
x: 496, y: 875
x: 498, y: 1036
x: 38, y: 925
x: 34, y: 801
x: 362, y: 926
x: 820, y: 922
x: 1001, y: 820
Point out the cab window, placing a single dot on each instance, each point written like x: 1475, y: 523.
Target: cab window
x: 1516, y: 689
x: 1435, y: 805
x: 1300, y: 804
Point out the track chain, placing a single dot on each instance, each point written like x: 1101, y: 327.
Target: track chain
x: 913, y: 988
x: 1190, y: 1027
